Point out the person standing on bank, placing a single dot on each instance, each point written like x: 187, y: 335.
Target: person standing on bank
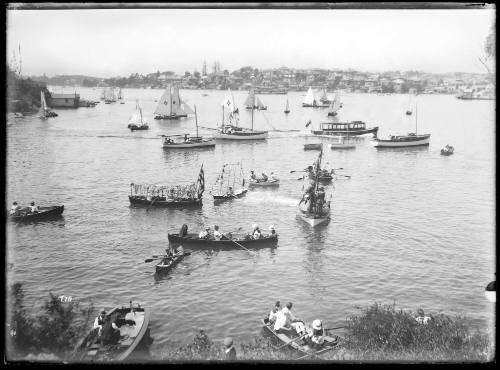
x: 230, y: 351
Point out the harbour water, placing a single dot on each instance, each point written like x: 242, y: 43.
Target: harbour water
x: 410, y: 226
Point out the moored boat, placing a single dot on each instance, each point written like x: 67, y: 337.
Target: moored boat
x: 44, y: 213
x: 447, y: 150
x: 133, y: 323
x: 290, y: 339
x: 173, y: 142
x: 315, y: 146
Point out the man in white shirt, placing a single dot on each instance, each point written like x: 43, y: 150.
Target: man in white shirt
x: 33, y: 208
x: 99, y: 322
x: 204, y: 234
x: 285, y: 318
x: 15, y: 208
x: 217, y: 234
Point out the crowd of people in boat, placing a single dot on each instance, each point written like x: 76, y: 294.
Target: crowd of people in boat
x: 166, y: 193
x: 283, y: 321
x: 314, y: 199
x: 16, y: 209
x: 263, y: 178
x: 256, y: 234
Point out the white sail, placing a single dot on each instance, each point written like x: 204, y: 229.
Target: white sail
x: 250, y: 100
x: 309, y: 99
x: 163, y: 107
x: 110, y: 94
x: 43, y: 106
x: 176, y: 108
x: 136, y: 118
x: 324, y: 96
x: 287, y: 106
x: 335, y: 105
x: 228, y: 102
x: 186, y: 108
x: 120, y: 95
x: 259, y: 103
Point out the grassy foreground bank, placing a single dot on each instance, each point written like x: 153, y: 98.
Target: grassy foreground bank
x: 377, y: 333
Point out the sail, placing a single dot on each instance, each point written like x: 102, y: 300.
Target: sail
x: 335, y: 105
x: 43, y: 106
x: 136, y: 118
x: 176, y: 108
x: 309, y: 99
x: 260, y: 105
x: 324, y: 96
x: 187, y: 108
x: 287, y: 106
x: 120, y: 95
x: 250, y: 100
x: 103, y: 93
x: 163, y: 107
x: 110, y: 94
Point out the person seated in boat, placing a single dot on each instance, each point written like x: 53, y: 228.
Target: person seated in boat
x: 33, y: 208
x: 273, y: 177
x: 274, y: 313
x: 14, y: 210
x: 272, y: 231
x: 253, y: 176
x: 230, y: 191
x: 315, y: 335
x: 285, y: 319
x: 264, y: 177
x: 110, y: 331
x: 205, y: 234
x: 256, y: 232
x: 217, y: 233
x: 99, y: 322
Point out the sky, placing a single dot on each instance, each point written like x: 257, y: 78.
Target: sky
x: 117, y: 42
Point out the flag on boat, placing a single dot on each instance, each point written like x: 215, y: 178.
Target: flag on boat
x: 201, y: 182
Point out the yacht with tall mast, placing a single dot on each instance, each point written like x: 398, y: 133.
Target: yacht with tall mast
x: 170, y: 105
x: 231, y: 130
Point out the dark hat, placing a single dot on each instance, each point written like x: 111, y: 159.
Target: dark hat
x: 32, y: 203
x: 15, y: 203
x: 103, y: 312
x: 289, y: 305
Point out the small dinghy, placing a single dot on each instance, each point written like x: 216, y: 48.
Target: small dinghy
x: 269, y: 182
x: 447, y: 150
x: 317, y: 146
x: 169, y: 262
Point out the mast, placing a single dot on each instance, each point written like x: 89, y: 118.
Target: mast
x: 170, y: 89
x: 196, y: 120
x: 416, y: 118
x: 223, y: 116
x: 253, y: 104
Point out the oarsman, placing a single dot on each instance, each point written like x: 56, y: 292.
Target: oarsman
x: 217, y: 234
x: 205, y: 234
x: 14, y: 210
x: 264, y: 177
x: 33, y: 208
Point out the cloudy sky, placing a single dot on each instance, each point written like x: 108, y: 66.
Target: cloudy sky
x: 118, y: 42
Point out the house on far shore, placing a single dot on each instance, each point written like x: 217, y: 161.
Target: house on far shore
x: 64, y: 100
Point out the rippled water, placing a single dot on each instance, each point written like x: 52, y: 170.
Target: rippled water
x: 410, y: 225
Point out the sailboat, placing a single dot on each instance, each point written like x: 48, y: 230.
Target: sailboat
x: 169, y: 105
x: 260, y: 105
x: 287, y: 107
x: 228, y: 180
x: 44, y: 111
x: 310, y: 100
x: 324, y: 97
x: 409, y: 111
x: 120, y: 96
x: 185, y: 141
x: 401, y: 141
x: 335, y: 105
x: 313, y: 208
x: 250, y: 100
x: 231, y: 131
x: 109, y: 96
x: 137, y: 122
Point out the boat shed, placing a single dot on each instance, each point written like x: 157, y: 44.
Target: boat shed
x: 64, y: 100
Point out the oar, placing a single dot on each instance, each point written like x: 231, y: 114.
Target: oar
x: 338, y: 327
x: 293, y: 340
x: 298, y: 171
x: 239, y: 245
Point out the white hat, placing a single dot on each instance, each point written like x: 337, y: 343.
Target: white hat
x: 316, y: 324
x: 271, y: 227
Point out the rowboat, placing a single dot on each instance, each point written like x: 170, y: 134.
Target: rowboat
x: 316, y: 146
x: 248, y: 242
x: 43, y: 213
x: 167, y: 263
x: 141, y: 200
x: 237, y: 194
x: 133, y: 322
x: 288, y: 338
x: 252, y: 182
x: 447, y: 150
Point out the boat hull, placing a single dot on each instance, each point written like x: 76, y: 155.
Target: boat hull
x: 264, y: 183
x: 342, y: 146
x: 313, y: 146
x: 138, y: 128
x: 420, y: 140
x: 131, y: 336
x: 142, y: 201
x: 194, y: 241
x: 313, y: 221
x: 165, y: 265
x: 237, y: 194
x: 352, y: 132
x: 170, y: 117
x: 255, y: 135
x: 44, y: 214
x: 202, y: 144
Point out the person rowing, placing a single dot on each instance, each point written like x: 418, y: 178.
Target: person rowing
x: 253, y: 177
x: 33, y: 208
x: 256, y: 232
x: 14, y: 210
x: 204, y: 234
x: 217, y: 233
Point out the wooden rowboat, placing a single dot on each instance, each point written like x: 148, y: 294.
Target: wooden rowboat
x: 194, y: 240
x: 133, y: 322
x: 44, y: 213
x: 237, y: 194
x: 289, y: 336
x: 252, y: 182
x: 167, y: 263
